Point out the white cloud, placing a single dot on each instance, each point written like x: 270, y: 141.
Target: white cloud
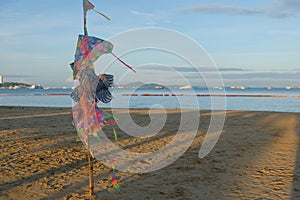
x: 70, y: 80
x: 221, y: 8
x: 290, y: 3
x: 142, y: 14
x: 151, y: 18
x: 280, y: 9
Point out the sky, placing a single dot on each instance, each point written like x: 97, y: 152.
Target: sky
x: 254, y: 43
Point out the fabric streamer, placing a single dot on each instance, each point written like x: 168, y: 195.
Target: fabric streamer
x: 103, y: 15
x: 122, y: 62
x: 113, y: 178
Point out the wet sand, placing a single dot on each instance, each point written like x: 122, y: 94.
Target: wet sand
x: 256, y: 157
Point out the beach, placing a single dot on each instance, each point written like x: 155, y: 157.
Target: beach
x: 256, y: 157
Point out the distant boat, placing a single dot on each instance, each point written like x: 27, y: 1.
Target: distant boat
x: 186, y: 87
x: 237, y: 87
x: 218, y: 87
x: 159, y: 87
x: 269, y: 87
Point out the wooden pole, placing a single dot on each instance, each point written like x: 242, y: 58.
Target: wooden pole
x: 91, y: 176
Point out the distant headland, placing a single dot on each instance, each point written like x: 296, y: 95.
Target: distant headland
x: 16, y: 85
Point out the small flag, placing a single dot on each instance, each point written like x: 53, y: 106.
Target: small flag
x: 87, y: 6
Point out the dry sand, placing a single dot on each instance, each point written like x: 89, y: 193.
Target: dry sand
x: 256, y: 157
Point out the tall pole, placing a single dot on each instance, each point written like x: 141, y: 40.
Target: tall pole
x: 91, y: 176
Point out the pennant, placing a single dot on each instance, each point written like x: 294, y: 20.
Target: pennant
x: 87, y: 6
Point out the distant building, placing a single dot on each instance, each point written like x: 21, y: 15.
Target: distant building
x: 1, y: 79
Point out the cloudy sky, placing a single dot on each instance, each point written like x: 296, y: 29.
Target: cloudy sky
x: 253, y: 43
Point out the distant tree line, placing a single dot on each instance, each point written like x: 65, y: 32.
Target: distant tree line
x: 12, y: 84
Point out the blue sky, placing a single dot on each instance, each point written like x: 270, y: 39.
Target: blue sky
x: 255, y: 43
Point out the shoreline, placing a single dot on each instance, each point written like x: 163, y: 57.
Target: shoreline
x: 279, y: 100
x: 107, y: 108
x: 257, y: 156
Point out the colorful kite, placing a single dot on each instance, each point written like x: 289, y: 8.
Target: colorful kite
x: 88, y: 118
x: 88, y: 50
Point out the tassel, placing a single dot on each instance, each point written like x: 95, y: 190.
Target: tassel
x: 102, y: 14
x: 115, y: 133
x: 123, y: 62
x: 113, y: 178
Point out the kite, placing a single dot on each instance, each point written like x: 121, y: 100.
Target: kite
x: 88, y: 118
x: 88, y: 50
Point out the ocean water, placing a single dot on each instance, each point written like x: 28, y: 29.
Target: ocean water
x: 251, y: 99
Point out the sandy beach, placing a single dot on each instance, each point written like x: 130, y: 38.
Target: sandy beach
x: 256, y: 157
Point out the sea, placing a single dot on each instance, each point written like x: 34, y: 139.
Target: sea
x: 250, y: 99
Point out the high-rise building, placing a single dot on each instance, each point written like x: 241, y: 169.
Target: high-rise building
x: 1, y: 79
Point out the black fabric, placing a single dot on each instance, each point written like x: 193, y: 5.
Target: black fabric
x: 102, y: 92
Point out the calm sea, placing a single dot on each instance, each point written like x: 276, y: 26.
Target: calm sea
x: 252, y: 99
